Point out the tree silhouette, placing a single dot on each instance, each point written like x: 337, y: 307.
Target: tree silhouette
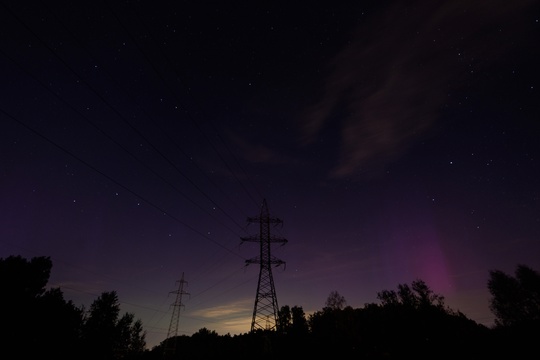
x: 35, y: 321
x: 285, y: 319
x: 335, y: 301
x: 515, y: 303
x: 411, y: 321
x: 24, y: 280
x: 416, y: 296
x: 515, y: 300
x: 59, y: 323
x: 299, y: 326
x: 414, y: 314
x: 106, y: 335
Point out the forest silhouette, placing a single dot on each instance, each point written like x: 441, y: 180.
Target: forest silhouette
x: 411, y: 321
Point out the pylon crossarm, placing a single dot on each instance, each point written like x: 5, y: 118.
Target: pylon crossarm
x: 250, y: 238
x: 255, y: 260
x: 275, y: 239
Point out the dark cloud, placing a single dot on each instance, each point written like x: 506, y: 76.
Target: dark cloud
x: 401, y: 68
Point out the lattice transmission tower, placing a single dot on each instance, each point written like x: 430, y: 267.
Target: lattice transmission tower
x: 265, y: 311
x: 172, y: 334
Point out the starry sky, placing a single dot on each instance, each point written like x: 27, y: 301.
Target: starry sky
x: 397, y: 140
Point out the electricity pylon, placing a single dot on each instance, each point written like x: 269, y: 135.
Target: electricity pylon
x: 172, y: 334
x: 265, y: 311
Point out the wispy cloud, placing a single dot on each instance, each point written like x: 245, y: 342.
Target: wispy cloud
x: 229, y: 310
x: 391, y: 81
x: 233, y: 317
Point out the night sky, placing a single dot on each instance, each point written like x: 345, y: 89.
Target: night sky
x: 397, y: 140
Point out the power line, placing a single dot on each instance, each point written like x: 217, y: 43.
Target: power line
x: 150, y: 117
x: 200, y: 108
x: 97, y: 128
x: 121, y: 116
x: 116, y: 182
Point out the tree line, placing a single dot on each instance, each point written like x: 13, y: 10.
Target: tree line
x: 411, y: 321
x: 37, y: 323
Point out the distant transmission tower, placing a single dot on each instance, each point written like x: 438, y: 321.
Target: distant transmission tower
x: 265, y: 311
x: 171, y: 340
